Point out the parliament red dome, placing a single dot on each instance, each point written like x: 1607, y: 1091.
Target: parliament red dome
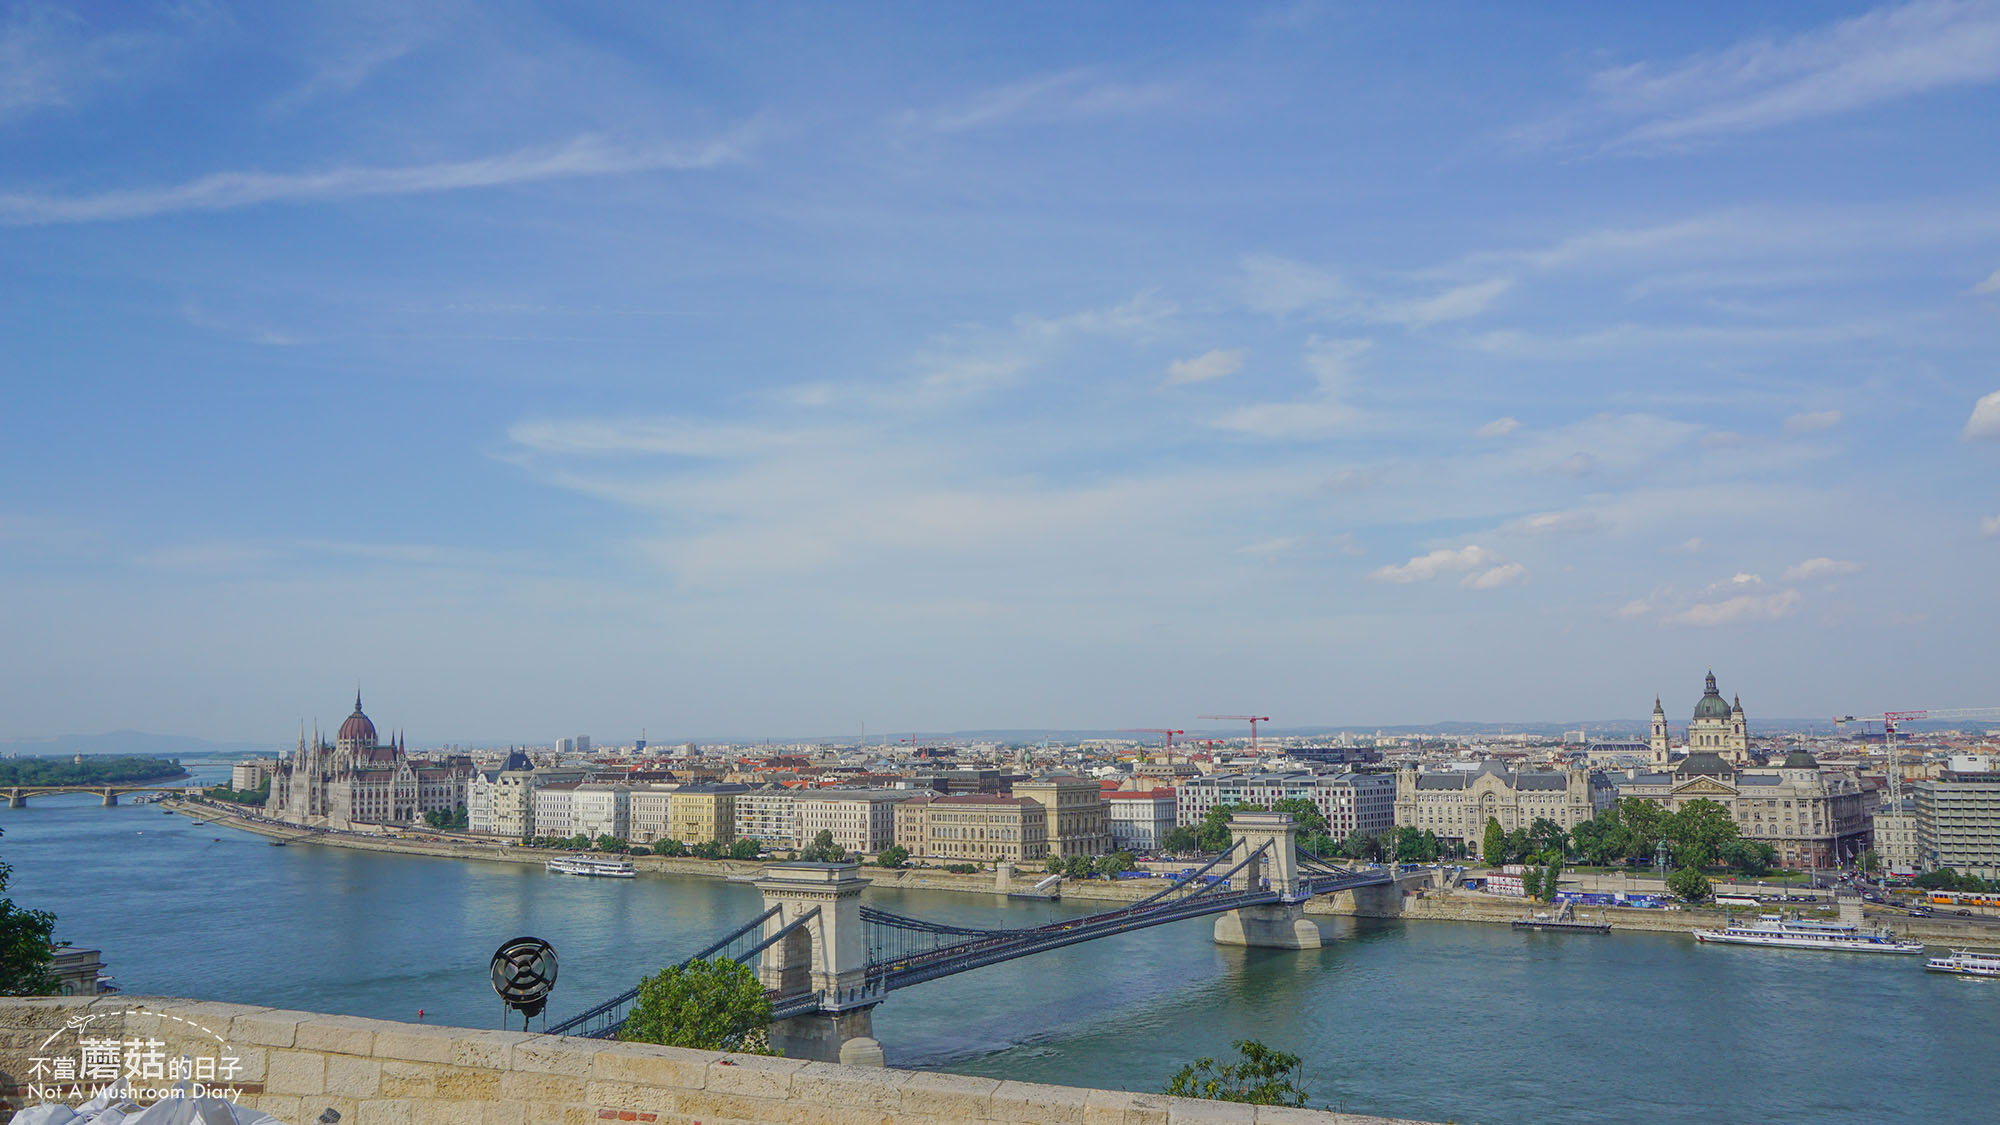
x: 358, y: 729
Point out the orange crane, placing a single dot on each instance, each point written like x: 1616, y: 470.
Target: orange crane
x: 1155, y: 730
x: 1252, y: 719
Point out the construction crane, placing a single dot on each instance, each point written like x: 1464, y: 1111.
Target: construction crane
x: 1890, y: 720
x: 1253, y: 720
x: 1155, y: 730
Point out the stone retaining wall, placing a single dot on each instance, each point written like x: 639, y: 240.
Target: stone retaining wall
x: 295, y: 1065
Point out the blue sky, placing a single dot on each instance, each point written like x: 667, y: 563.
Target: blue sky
x: 771, y: 370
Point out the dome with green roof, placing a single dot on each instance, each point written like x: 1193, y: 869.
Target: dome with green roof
x: 1712, y: 705
x: 1800, y: 760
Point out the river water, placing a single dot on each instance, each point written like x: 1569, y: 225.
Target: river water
x: 1429, y: 1020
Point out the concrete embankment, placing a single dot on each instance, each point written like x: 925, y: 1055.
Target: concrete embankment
x: 298, y: 1065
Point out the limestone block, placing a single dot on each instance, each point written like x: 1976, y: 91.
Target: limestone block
x: 1194, y: 1111
x: 493, y: 1050
x: 295, y: 1072
x: 284, y: 1107
x: 949, y: 1096
x: 407, y: 1079
x: 353, y: 1077
x: 341, y: 1035
x: 528, y: 1086
x: 756, y: 1076
x: 413, y: 1045
x: 831, y: 1084
x: 1030, y: 1101
x: 267, y: 1028
x: 645, y: 1062
x: 390, y: 1111
x: 556, y: 1056
x: 468, y: 1084
x: 1116, y: 1107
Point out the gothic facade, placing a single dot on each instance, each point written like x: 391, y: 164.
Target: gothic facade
x: 356, y: 780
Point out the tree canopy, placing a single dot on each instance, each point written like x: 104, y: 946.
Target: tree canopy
x: 1259, y: 1076
x: 823, y: 849
x: 26, y: 946
x: 711, y: 1005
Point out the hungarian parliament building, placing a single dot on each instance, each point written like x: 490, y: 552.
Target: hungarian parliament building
x: 356, y: 780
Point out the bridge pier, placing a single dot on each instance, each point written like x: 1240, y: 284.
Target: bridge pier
x: 16, y: 799
x: 827, y: 955
x: 110, y: 799
x: 1278, y: 925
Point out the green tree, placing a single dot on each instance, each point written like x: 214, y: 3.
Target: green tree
x: 1259, y: 1076
x: 708, y: 849
x: 1750, y: 857
x: 895, y: 855
x: 1545, y: 835
x: 745, y: 849
x: 1519, y: 846
x: 1054, y: 865
x: 1213, y: 834
x: 1493, y: 848
x: 1871, y: 861
x: 26, y: 946
x: 710, y: 1005
x: 610, y: 843
x: 1551, y: 877
x: 1600, y: 839
x: 823, y: 849
x: 1698, y: 832
x: 1077, y: 866
x: 671, y: 848
x: 1179, y: 840
x: 1645, y: 824
x: 1361, y: 845
x: 1304, y: 813
x: 1689, y: 884
x: 1115, y: 864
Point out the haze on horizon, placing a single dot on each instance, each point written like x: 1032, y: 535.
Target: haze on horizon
x: 955, y: 367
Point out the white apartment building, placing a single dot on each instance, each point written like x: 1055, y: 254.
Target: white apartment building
x: 770, y: 816
x: 553, y: 809
x: 1350, y: 802
x: 650, y: 806
x: 861, y: 820
x: 1138, y: 819
x: 601, y: 809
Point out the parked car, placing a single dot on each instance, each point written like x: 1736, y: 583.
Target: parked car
x: 1920, y: 912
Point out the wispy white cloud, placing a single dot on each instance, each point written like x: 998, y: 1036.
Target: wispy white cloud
x: 1892, y: 52
x: 1499, y: 427
x: 1506, y: 574
x: 1990, y: 285
x: 679, y: 437
x: 1278, y: 286
x: 1555, y: 523
x: 1444, y: 560
x: 1989, y: 526
x: 1742, y: 609
x: 583, y: 156
x: 1984, y: 424
x: 1208, y: 365
x: 1080, y: 93
x: 1691, y: 546
x: 1351, y: 480
x: 1821, y: 567
x: 1331, y: 364
x: 1742, y: 579
x: 1812, y: 421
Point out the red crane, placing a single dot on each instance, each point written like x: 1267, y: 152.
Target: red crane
x: 1252, y: 719
x: 1155, y: 730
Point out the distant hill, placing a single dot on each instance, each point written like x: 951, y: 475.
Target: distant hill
x: 130, y: 742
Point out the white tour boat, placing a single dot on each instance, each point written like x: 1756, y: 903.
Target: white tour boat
x: 1799, y: 933
x: 1966, y: 963
x: 597, y: 868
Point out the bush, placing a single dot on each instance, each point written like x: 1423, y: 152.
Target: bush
x: 895, y: 855
x: 1689, y: 884
x: 709, y: 1005
x: 962, y: 868
x: 1260, y: 1076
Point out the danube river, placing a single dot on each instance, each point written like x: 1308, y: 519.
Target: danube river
x: 1435, y: 1021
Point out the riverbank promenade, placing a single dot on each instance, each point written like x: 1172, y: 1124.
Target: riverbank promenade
x: 297, y: 1065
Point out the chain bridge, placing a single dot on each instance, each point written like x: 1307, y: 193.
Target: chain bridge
x: 17, y: 795
x: 826, y: 960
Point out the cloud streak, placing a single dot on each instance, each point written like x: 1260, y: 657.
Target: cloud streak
x: 221, y: 191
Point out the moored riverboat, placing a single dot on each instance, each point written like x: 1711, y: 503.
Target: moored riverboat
x: 594, y: 868
x: 1777, y: 932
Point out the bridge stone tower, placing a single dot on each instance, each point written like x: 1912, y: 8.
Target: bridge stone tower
x: 1278, y: 925
x: 827, y: 955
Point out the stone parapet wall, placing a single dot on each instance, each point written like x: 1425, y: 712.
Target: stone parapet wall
x: 295, y: 1065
